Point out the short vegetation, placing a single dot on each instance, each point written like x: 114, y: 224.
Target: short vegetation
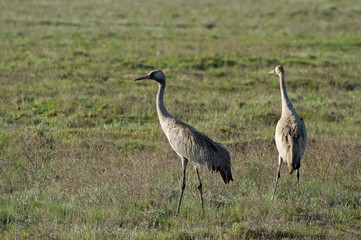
x: 82, y: 154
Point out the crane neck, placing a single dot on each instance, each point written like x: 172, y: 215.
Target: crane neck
x: 287, y: 106
x: 161, y: 110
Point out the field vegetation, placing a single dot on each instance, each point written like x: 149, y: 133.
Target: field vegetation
x: 82, y: 154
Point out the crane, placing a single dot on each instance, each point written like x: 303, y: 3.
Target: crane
x: 190, y: 144
x: 290, y: 136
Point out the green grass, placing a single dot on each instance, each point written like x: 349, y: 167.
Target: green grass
x: 82, y: 154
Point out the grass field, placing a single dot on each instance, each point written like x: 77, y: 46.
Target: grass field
x: 82, y: 154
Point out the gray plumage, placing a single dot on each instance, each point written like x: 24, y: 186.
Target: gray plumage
x: 190, y: 144
x: 290, y: 136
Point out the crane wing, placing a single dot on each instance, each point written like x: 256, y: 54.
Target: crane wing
x: 201, y: 150
x: 302, y: 137
x: 194, y: 145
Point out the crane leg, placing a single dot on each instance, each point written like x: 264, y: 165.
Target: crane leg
x: 278, y: 175
x: 184, y: 165
x: 200, y: 189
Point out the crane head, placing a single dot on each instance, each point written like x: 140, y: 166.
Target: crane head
x: 156, y: 75
x: 278, y: 70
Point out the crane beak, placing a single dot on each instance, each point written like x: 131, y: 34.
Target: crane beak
x: 272, y: 72
x: 142, y: 78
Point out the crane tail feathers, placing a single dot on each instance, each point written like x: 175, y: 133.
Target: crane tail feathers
x: 226, y: 175
x: 295, y: 162
x: 225, y: 163
x: 290, y: 157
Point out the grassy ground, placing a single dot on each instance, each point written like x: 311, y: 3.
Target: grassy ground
x: 82, y: 155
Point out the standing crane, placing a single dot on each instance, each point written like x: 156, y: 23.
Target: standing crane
x: 290, y: 136
x: 190, y: 144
